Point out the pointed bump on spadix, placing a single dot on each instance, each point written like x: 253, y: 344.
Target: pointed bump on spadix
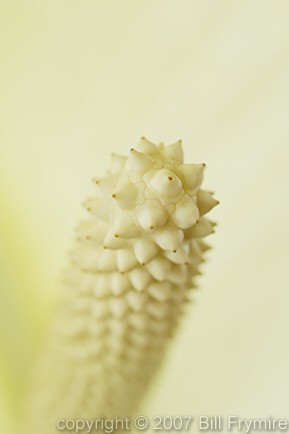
x: 191, y: 175
x: 174, y: 152
x: 137, y: 161
x: 169, y: 239
x: 165, y: 182
x: 147, y: 147
x: 125, y: 194
x: 205, y: 201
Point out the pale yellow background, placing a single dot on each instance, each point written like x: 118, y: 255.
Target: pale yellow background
x: 80, y: 79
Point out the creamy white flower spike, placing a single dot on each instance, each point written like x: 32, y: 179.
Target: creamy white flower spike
x: 135, y: 259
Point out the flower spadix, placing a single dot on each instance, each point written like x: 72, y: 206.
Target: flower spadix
x: 136, y: 257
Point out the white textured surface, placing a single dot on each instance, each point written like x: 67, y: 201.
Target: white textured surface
x: 82, y: 79
x: 120, y: 309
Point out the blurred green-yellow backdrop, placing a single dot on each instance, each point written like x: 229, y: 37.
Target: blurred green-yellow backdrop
x: 80, y: 79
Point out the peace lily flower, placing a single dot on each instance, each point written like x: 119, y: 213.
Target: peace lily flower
x: 217, y: 78
x: 133, y: 263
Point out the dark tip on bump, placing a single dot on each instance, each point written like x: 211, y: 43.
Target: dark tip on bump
x: 105, y: 247
x: 116, y: 235
x: 113, y: 195
x: 174, y: 251
x: 88, y: 209
x: 152, y: 227
x: 170, y: 178
x: 143, y: 138
x: 204, y: 165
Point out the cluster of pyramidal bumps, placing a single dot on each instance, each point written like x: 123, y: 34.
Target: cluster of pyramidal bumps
x: 134, y: 260
x: 147, y: 220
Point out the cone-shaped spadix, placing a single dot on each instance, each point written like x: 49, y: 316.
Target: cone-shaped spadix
x: 136, y: 257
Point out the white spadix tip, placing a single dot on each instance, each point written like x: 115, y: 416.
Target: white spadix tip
x: 137, y: 255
